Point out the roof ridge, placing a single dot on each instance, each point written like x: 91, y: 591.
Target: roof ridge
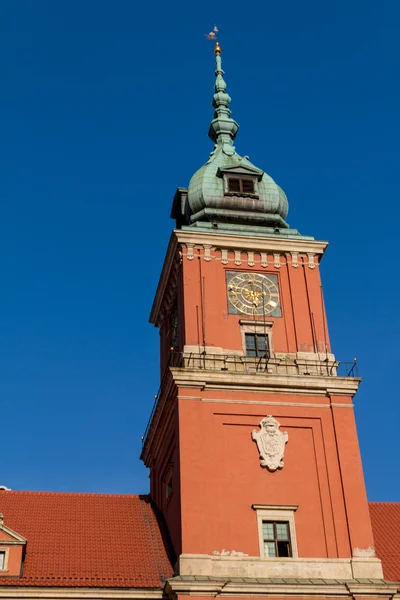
x: 53, y: 493
x: 384, y: 502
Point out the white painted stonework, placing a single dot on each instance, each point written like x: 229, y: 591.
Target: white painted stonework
x: 313, y: 568
x: 227, y: 553
x: 271, y: 443
x: 364, y: 552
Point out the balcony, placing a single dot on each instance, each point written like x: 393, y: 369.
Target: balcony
x: 263, y: 365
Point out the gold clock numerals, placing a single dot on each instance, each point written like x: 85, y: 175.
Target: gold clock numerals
x: 253, y: 293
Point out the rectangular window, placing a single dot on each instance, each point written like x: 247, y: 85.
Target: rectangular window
x: 2, y: 560
x: 247, y: 186
x: 276, y: 538
x: 233, y: 185
x: 244, y: 186
x: 257, y: 344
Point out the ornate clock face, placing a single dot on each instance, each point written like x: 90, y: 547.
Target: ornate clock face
x: 253, y: 294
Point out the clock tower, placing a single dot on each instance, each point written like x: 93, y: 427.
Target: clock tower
x: 252, y: 446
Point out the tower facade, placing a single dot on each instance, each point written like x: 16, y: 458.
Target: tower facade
x: 252, y: 445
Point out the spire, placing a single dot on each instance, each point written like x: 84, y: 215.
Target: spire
x: 223, y: 129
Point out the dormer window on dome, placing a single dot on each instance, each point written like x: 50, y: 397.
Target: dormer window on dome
x: 241, y: 186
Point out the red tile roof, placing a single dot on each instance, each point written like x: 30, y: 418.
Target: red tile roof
x: 87, y: 540
x: 110, y: 540
x: 385, y: 519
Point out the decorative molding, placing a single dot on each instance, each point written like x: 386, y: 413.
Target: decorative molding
x: 266, y: 383
x: 292, y: 257
x: 189, y: 253
x: 303, y: 588
x: 271, y: 443
x: 266, y: 403
x: 311, y: 263
x: 256, y: 323
x: 207, y: 252
x: 291, y: 507
x: 16, y: 538
x: 250, y: 242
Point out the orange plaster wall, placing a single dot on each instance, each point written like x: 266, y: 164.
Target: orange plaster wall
x: 204, y: 287
x: 221, y: 477
x: 14, y: 557
x: 217, y: 473
x: 167, y: 457
x: 360, y: 529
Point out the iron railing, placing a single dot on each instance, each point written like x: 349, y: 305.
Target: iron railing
x: 263, y: 364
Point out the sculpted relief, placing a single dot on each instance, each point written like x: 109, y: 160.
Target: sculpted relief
x: 270, y: 442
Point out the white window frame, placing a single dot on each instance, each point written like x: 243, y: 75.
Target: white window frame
x: 276, y: 513
x: 259, y: 328
x: 5, y: 551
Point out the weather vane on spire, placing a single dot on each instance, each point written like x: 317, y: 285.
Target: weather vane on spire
x: 213, y: 35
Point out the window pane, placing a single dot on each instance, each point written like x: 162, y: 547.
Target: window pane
x: 269, y: 549
x: 248, y: 186
x: 284, y: 549
x: 251, y: 352
x: 268, y: 531
x: 261, y: 342
x: 250, y: 340
x: 233, y: 185
x: 2, y: 560
x: 282, y: 531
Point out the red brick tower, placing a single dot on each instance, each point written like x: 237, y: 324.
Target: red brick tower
x: 252, y: 445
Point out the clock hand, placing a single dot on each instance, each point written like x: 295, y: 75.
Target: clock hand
x: 240, y: 289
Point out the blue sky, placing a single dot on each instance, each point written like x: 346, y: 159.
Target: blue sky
x: 104, y: 111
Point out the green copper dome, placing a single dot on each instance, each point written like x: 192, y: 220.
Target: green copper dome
x: 209, y: 198
x: 229, y: 191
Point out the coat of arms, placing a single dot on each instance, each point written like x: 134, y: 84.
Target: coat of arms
x: 271, y: 443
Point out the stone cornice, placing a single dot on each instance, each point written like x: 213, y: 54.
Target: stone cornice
x: 267, y: 383
x: 316, y: 588
x: 250, y: 242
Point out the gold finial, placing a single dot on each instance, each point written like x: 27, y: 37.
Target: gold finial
x: 217, y: 49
